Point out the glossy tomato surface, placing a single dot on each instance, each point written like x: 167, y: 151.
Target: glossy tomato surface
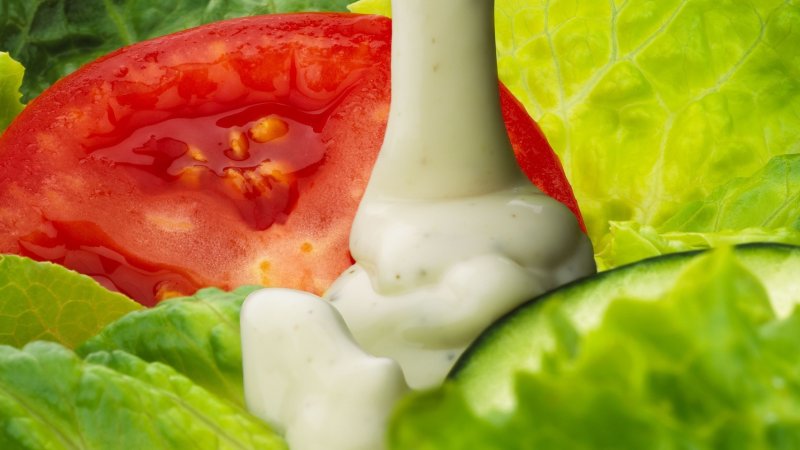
x: 233, y: 153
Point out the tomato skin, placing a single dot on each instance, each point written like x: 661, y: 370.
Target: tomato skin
x: 233, y: 153
x: 535, y: 156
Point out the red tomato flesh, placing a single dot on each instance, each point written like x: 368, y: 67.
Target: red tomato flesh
x: 233, y: 153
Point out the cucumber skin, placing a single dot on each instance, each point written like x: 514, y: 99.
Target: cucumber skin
x: 485, y: 370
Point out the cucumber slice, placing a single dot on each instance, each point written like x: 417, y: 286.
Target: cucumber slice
x: 517, y: 342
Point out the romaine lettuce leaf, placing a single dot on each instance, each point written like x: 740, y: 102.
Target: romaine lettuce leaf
x: 652, y: 105
x: 708, y: 365
x: 46, y: 301
x: 382, y: 7
x: 764, y: 207
x: 629, y: 242
x: 11, y: 73
x: 51, y: 399
x: 198, y: 336
x: 52, y: 38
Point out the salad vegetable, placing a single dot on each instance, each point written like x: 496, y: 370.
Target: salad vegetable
x: 187, y: 367
x: 10, y: 80
x: 51, y: 398
x: 696, y: 351
x: 182, y: 152
x: 198, y: 336
x: 726, y: 216
x: 43, y: 301
x: 194, y: 160
x: 555, y: 322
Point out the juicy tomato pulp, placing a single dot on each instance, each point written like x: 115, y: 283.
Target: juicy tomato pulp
x: 233, y: 153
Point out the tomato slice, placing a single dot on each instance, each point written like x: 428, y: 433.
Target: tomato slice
x: 229, y: 154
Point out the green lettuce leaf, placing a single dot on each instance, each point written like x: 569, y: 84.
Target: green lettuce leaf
x: 629, y: 242
x: 708, y: 365
x: 198, y: 336
x: 50, y: 398
x: 764, y: 207
x: 52, y: 38
x: 652, y: 105
x: 382, y: 7
x: 10, y: 81
x: 44, y: 301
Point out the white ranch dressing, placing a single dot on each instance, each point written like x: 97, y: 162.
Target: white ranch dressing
x: 306, y: 377
x: 450, y: 236
x: 433, y: 279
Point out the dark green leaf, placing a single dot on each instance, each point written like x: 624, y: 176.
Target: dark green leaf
x: 52, y: 38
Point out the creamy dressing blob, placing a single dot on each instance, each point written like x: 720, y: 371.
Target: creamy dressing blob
x: 306, y: 377
x: 450, y: 235
x: 432, y: 275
